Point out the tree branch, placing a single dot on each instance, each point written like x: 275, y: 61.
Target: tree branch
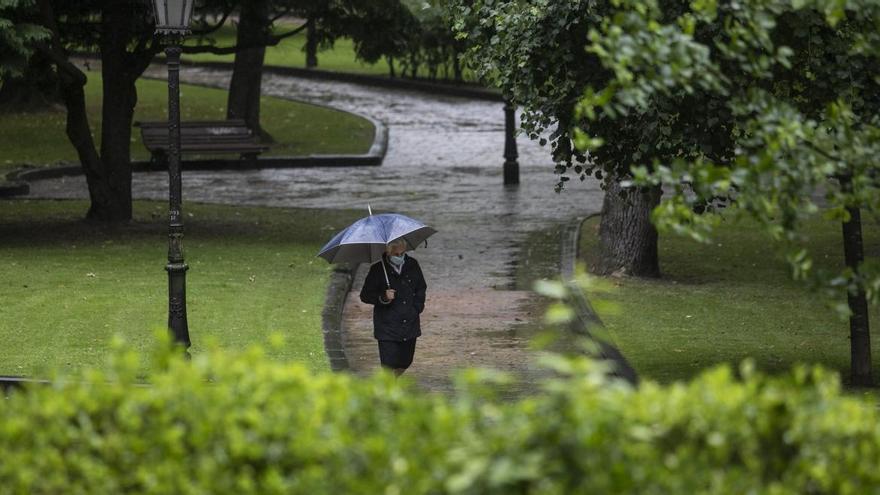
x: 142, y: 42
x: 145, y: 57
x: 220, y: 23
x: 53, y: 49
x: 822, y: 152
x: 282, y: 14
x: 288, y: 34
x: 216, y: 50
x: 64, y: 65
x: 226, y: 50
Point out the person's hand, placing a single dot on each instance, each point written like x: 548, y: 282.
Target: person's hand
x: 389, y: 295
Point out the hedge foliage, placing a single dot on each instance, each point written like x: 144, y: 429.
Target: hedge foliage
x: 241, y: 424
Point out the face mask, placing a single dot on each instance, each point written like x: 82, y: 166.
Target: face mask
x: 396, y: 260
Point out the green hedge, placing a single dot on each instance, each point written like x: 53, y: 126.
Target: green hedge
x: 242, y: 424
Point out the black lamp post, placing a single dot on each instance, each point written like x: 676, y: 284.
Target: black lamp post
x: 172, y: 23
x: 511, y: 165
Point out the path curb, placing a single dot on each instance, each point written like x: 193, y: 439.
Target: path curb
x: 13, y: 188
x: 448, y: 89
x: 340, y: 284
x: 586, y: 322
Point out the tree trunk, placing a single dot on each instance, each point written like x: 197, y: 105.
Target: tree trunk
x: 80, y: 135
x: 859, y: 329
x: 311, y: 45
x: 390, y: 61
x: 119, y: 100
x: 456, y: 66
x: 414, y: 65
x: 243, y: 101
x: 627, y: 238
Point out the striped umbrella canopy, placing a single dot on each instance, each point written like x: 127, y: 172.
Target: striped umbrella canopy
x: 364, y: 241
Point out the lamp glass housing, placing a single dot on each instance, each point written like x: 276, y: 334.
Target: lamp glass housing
x: 172, y: 16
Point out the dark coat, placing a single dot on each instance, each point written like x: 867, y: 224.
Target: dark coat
x: 399, y: 319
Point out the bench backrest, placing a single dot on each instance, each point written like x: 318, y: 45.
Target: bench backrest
x: 204, y: 130
x: 200, y: 133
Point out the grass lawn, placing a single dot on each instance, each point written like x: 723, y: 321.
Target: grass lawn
x: 289, y: 52
x: 39, y: 138
x: 725, y: 302
x: 69, y: 286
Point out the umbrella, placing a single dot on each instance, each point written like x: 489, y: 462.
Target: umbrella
x: 364, y: 241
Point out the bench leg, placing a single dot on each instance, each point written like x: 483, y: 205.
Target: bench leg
x: 249, y: 160
x: 159, y: 161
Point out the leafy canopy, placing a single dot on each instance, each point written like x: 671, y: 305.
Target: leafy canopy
x: 798, y: 81
x: 535, y: 52
x: 17, y: 35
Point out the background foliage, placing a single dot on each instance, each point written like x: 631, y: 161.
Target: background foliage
x: 797, y: 82
x: 17, y: 36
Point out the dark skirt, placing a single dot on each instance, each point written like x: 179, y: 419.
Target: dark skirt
x: 397, y: 355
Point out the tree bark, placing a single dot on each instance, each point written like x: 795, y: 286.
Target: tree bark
x: 119, y: 99
x: 108, y: 173
x: 390, y: 61
x: 80, y: 134
x: 311, y: 45
x: 243, y: 101
x: 627, y: 238
x: 859, y: 328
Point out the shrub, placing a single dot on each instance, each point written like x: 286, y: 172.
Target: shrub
x: 242, y: 424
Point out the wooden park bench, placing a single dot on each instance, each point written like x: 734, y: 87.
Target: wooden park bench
x: 203, y: 137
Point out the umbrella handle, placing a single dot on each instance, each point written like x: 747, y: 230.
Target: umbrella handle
x: 386, y: 273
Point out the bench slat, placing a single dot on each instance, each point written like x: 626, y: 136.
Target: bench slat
x: 232, y: 147
x: 206, y: 136
x: 192, y: 123
x: 205, y: 139
x: 208, y: 131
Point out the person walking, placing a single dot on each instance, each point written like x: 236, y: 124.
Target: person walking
x: 396, y: 287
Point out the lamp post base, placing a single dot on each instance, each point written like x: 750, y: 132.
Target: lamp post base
x: 511, y: 165
x: 177, y: 323
x: 511, y: 172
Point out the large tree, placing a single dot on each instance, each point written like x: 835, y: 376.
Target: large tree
x: 534, y: 51
x: 801, y: 80
x: 123, y: 32
x: 258, y: 27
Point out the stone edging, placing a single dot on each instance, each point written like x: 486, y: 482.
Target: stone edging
x: 586, y: 322
x: 13, y: 188
x: 10, y: 383
x: 340, y: 284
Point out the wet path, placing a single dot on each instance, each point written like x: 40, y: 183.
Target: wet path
x: 444, y: 167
